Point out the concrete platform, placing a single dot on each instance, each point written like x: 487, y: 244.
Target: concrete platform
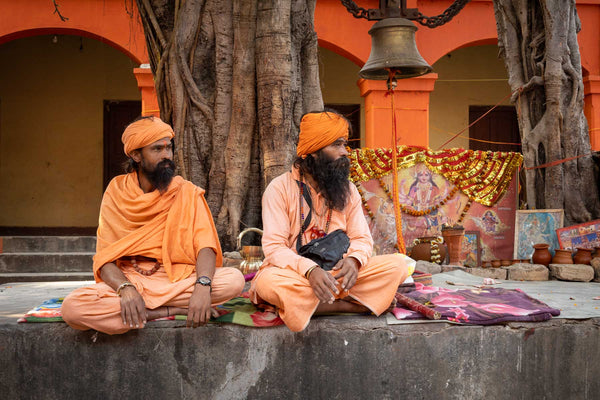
x: 341, y: 357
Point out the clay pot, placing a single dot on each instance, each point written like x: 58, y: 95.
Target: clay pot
x: 486, y: 264
x: 496, y: 263
x: 422, y: 250
x: 562, y: 256
x: 453, y: 239
x: 505, y: 263
x: 541, y: 254
x: 583, y: 256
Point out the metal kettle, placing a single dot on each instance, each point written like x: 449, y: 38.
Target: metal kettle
x: 252, y: 256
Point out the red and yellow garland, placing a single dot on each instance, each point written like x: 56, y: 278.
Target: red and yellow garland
x: 483, y: 176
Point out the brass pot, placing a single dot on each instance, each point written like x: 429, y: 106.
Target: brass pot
x: 252, y: 255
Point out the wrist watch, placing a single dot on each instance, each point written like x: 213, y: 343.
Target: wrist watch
x: 204, y: 281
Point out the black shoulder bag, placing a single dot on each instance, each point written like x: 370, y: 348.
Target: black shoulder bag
x: 325, y: 251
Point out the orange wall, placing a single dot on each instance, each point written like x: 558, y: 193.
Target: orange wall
x: 114, y: 22
x: 475, y: 25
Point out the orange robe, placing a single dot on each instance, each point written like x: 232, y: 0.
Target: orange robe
x: 281, y: 279
x: 172, y: 228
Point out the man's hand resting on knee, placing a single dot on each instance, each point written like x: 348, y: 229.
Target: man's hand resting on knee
x: 323, y: 285
x: 348, y: 268
x: 133, y: 307
x: 199, y: 309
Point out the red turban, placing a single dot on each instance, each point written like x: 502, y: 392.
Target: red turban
x: 318, y: 130
x: 144, y: 132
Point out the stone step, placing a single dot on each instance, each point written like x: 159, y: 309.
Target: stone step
x: 46, y: 262
x: 45, y: 277
x: 51, y: 244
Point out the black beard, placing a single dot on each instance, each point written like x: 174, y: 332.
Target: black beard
x: 161, y: 176
x: 332, y: 178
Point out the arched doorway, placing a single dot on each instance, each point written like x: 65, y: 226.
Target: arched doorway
x: 470, y: 81
x: 53, y: 91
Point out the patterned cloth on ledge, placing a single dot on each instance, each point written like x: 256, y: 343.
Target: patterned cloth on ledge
x: 238, y: 310
x: 478, y: 306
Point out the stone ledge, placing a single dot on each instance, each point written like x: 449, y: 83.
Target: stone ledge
x: 572, y: 272
x: 335, y: 357
x: 527, y: 272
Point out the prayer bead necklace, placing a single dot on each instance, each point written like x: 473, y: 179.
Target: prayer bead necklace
x: 145, y: 272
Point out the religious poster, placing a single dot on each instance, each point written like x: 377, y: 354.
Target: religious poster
x: 586, y: 235
x: 536, y: 226
x: 471, y: 249
x: 475, y: 189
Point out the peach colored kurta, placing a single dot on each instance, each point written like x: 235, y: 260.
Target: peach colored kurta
x: 281, y: 279
x: 172, y: 228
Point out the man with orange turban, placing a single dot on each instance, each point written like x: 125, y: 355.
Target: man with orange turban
x: 157, y: 252
x: 313, y: 200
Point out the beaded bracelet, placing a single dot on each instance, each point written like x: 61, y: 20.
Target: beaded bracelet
x: 122, y: 286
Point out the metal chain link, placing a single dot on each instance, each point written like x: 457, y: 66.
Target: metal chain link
x: 355, y: 10
x: 432, y: 22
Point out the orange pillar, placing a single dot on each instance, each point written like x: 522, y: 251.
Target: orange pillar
x: 145, y: 81
x: 591, y: 85
x: 411, y: 108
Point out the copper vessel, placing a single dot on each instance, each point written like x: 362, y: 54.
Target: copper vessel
x: 562, y: 256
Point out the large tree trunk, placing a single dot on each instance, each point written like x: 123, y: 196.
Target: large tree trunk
x: 233, y: 77
x: 538, y: 41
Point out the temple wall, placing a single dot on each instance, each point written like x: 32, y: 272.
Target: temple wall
x: 469, y: 76
x: 51, y: 127
x: 338, y: 82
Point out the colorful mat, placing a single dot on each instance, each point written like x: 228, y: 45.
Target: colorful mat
x: 238, y: 310
x: 477, y: 306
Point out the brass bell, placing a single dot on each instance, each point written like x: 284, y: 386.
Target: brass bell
x: 393, y: 47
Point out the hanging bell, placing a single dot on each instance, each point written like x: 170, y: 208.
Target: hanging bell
x: 393, y: 47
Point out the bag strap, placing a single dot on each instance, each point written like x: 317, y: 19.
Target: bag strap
x: 306, y: 194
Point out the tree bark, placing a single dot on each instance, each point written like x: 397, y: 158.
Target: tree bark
x: 233, y: 77
x: 538, y: 41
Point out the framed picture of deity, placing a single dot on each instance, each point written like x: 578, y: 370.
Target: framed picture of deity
x: 585, y: 235
x: 436, y: 188
x: 471, y: 249
x: 536, y: 226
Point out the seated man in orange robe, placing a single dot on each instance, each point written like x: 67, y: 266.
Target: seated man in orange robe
x: 296, y: 285
x: 157, y: 252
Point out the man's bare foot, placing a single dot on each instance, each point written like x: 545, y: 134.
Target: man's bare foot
x: 166, y: 311
x: 392, y: 306
x: 341, y: 306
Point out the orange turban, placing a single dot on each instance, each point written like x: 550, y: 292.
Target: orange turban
x: 144, y: 132
x: 318, y: 130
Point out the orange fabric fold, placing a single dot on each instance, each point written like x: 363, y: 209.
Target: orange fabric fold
x: 171, y: 228
x: 144, y: 132
x: 318, y: 130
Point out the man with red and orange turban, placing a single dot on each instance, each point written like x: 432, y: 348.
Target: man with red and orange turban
x: 157, y: 252
x: 312, y: 201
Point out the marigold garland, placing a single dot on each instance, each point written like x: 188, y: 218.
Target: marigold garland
x: 483, y: 176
